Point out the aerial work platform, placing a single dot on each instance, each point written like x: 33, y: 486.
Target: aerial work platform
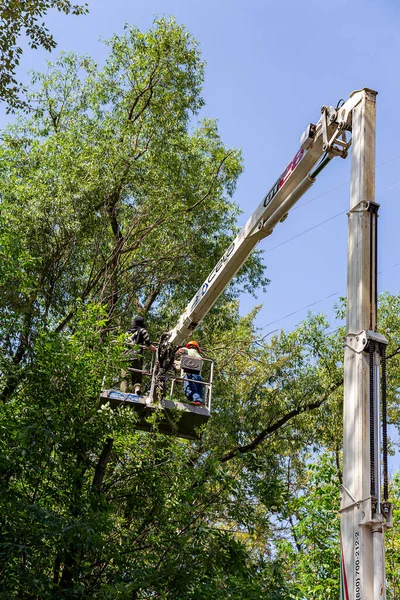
x: 177, y: 418
x: 365, y: 512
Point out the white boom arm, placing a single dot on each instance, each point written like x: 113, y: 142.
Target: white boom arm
x: 328, y: 136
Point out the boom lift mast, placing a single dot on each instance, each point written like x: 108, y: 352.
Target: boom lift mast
x: 365, y: 515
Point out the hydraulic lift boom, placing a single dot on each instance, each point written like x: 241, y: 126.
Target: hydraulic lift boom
x: 365, y: 515
x: 319, y: 143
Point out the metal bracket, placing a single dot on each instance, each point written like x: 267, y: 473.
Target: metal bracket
x: 343, y: 488
x: 364, y: 206
x: 336, y: 144
x: 370, y: 517
x: 368, y: 511
x: 358, y: 342
x: 373, y: 336
x: 367, y: 508
x: 387, y: 511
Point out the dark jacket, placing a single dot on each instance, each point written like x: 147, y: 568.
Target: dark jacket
x: 138, y: 333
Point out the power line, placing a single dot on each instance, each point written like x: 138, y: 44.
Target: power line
x: 388, y: 160
x: 343, y: 212
x: 388, y: 268
x: 319, y: 225
x: 305, y: 231
x: 295, y: 312
x: 390, y: 188
x: 320, y: 195
x: 385, y: 162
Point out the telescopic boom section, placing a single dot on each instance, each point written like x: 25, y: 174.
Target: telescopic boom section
x: 319, y: 143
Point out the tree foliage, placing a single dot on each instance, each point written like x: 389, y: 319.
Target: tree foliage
x: 24, y: 18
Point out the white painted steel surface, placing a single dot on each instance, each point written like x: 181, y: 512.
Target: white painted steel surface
x: 362, y: 528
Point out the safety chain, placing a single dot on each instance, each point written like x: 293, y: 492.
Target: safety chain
x: 371, y: 418
x: 384, y: 429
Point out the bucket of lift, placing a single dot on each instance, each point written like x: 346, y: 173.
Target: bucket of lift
x: 176, y: 417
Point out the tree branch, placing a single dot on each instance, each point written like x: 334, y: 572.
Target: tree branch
x: 196, y: 204
x: 395, y: 353
x: 149, y: 87
x: 101, y: 466
x: 278, y: 425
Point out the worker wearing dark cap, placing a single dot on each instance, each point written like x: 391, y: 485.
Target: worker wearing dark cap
x: 138, y: 337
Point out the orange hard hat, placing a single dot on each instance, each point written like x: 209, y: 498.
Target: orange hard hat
x: 193, y: 343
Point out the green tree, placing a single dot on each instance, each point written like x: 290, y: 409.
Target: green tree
x: 309, y: 541
x: 113, y: 512
x: 311, y: 549
x: 111, y: 203
x: 17, y: 18
x: 392, y: 543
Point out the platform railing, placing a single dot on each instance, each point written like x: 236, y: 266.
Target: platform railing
x: 208, y: 385
x: 173, y: 379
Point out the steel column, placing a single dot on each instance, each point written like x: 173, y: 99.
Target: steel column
x: 361, y: 522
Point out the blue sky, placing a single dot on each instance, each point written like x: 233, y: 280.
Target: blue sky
x: 270, y: 67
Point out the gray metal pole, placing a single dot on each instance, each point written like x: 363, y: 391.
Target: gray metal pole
x: 361, y: 522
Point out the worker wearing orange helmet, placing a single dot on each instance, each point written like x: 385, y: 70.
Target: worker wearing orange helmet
x: 195, y: 349
x: 192, y: 385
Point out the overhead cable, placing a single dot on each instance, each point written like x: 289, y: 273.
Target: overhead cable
x: 295, y: 312
x: 301, y: 204
x: 343, y: 212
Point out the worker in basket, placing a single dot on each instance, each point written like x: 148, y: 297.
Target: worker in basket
x: 192, y: 385
x: 132, y: 380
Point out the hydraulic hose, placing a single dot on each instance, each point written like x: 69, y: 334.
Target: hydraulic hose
x: 320, y: 166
